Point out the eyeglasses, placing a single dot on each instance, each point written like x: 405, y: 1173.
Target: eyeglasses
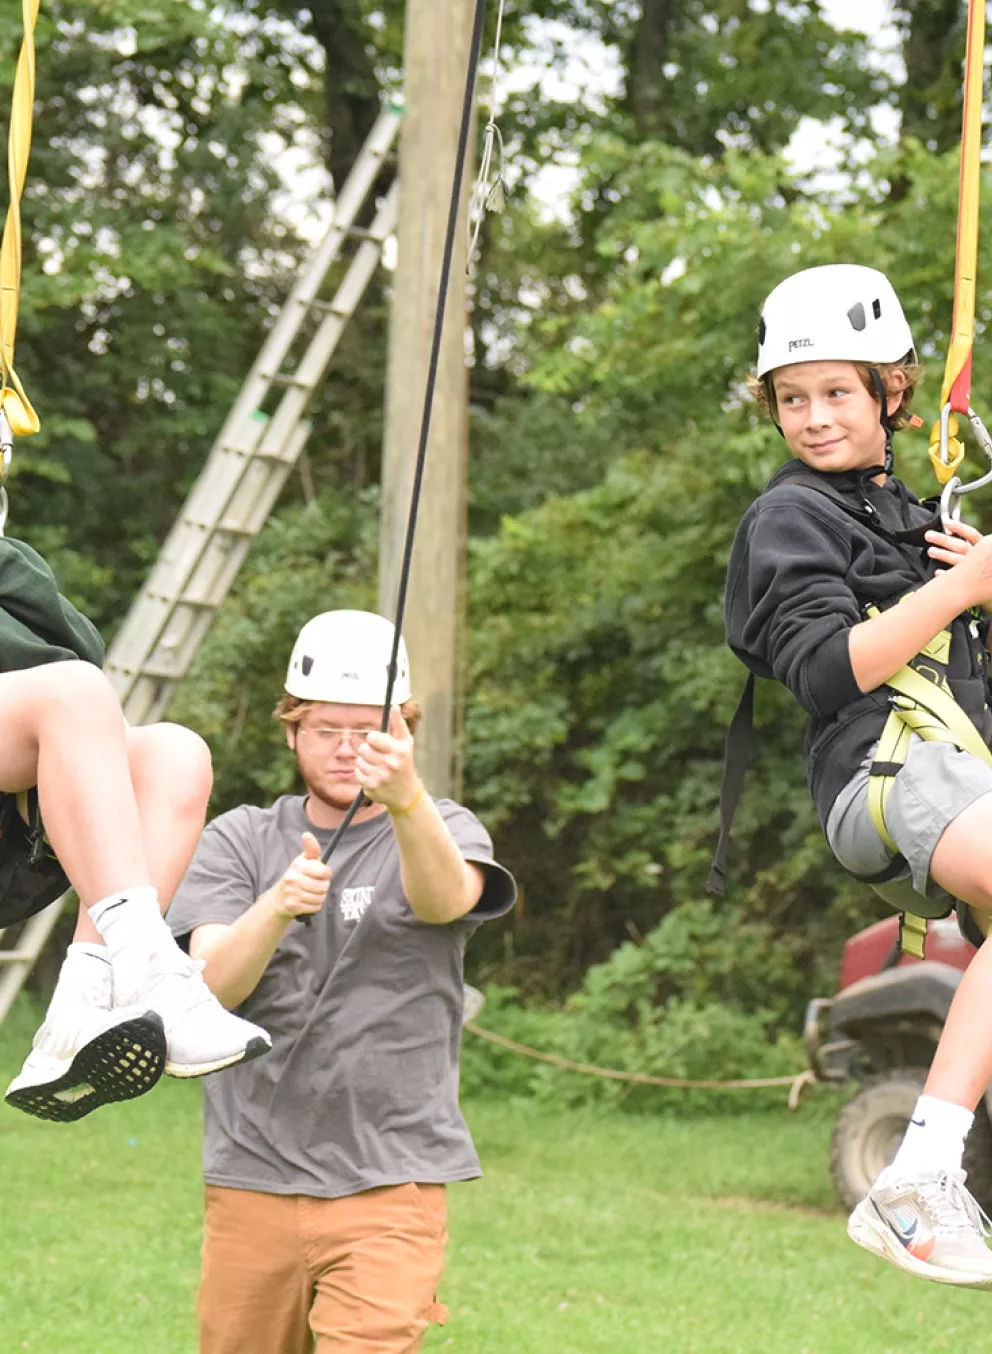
x: 327, y: 736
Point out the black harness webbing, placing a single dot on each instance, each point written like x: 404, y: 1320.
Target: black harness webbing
x: 736, y: 759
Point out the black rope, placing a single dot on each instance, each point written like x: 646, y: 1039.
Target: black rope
x: 425, y: 424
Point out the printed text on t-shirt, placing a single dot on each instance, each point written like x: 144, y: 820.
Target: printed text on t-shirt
x: 355, y: 901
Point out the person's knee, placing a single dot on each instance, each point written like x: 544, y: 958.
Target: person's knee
x: 180, y: 758
x: 76, y: 690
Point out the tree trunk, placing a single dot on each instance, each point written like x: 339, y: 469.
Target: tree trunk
x: 645, y: 65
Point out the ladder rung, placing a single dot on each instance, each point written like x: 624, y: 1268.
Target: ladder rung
x: 164, y: 671
x: 329, y: 308
x: 181, y: 600
x: 289, y: 378
x: 15, y: 957
x: 360, y: 233
x: 218, y: 526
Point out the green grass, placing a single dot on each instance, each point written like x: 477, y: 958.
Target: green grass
x: 590, y: 1232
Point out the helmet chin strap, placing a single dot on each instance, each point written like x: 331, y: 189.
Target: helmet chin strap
x: 883, y: 418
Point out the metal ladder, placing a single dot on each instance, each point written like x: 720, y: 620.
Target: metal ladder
x: 238, y: 486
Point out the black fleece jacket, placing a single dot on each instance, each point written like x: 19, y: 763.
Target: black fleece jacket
x: 801, y: 572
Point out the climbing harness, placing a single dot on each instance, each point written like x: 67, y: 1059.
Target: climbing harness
x: 475, y: 50
x: 946, y: 448
x: 921, y: 703
x: 17, y: 417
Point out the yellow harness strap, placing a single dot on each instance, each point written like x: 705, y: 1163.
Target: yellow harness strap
x: 924, y: 706
x: 13, y: 401
x: 955, y: 392
x: 919, y: 706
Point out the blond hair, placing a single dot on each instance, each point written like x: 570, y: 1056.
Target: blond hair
x: 291, y: 710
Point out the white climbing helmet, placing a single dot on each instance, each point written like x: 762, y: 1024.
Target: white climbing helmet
x: 841, y: 312
x: 343, y: 657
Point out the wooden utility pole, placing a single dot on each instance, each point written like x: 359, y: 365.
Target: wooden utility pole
x: 436, y: 52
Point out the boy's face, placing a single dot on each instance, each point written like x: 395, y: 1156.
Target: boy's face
x: 827, y: 417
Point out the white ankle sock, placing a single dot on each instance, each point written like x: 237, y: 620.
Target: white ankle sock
x: 130, y: 920
x: 84, y: 976
x: 935, y: 1137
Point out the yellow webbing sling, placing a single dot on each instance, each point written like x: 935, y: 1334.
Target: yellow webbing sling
x: 955, y: 393
x: 14, y: 403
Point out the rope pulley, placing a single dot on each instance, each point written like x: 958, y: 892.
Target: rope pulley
x: 946, y: 448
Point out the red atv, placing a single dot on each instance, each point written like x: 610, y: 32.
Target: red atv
x: 881, y: 1030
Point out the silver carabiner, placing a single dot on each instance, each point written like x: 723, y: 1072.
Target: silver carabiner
x: 954, y: 490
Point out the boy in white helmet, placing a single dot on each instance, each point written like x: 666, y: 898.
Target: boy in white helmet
x: 818, y: 563
x: 325, y: 1172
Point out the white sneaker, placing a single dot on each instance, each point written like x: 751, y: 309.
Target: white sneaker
x: 84, y: 1057
x: 929, y: 1226
x: 201, y: 1035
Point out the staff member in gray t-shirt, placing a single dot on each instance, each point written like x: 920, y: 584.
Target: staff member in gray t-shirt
x: 325, y: 1162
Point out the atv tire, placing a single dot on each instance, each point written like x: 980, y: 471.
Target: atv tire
x: 870, y: 1127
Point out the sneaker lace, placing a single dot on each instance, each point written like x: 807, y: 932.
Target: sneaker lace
x: 955, y: 1209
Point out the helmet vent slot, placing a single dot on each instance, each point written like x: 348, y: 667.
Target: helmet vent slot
x: 876, y: 309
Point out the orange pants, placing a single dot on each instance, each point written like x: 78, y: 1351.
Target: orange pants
x: 290, y: 1274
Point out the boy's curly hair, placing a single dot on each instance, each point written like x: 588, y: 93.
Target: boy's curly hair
x: 760, y: 389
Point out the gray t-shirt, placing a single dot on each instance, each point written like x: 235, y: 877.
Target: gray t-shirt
x: 364, y: 1008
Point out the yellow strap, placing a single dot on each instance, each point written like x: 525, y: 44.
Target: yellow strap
x: 912, y: 934
x: 892, y: 747
x: 13, y: 401
x: 922, y: 707
x: 956, y: 389
x: 939, y: 703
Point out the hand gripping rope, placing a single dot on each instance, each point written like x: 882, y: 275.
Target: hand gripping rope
x: 946, y: 449
x: 425, y: 424
x: 17, y: 417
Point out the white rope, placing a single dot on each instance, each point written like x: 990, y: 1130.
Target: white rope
x: 486, y: 195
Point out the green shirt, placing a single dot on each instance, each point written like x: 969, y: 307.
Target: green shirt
x: 37, y: 624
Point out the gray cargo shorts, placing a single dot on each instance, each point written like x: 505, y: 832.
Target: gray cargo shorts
x: 936, y: 784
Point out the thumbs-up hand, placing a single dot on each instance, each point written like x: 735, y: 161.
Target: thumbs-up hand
x: 302, y: 889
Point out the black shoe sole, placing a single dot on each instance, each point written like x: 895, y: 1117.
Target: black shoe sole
x: 123, y: 1062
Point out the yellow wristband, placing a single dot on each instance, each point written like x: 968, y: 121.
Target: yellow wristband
x: 398, y: 813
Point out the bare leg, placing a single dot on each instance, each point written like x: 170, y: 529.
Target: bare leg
x: 123, y: 810
x: 171, y: 776
x: 962, y: 864
x: 64, y: 732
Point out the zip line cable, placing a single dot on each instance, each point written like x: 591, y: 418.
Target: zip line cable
x: 425, y: 424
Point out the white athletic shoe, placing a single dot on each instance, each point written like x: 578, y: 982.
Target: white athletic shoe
x: 929, y: 1226
x: 84, y: 1057
x: 201, y: 1035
